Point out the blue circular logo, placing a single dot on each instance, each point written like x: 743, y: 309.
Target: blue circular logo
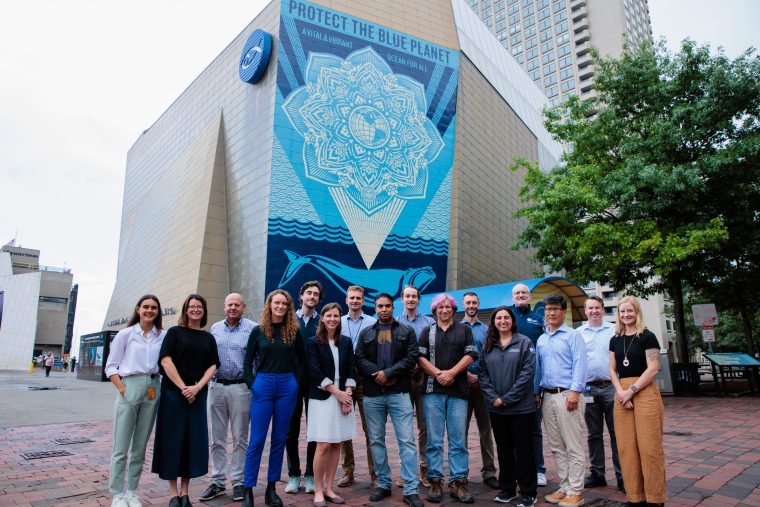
x: 255, y: 57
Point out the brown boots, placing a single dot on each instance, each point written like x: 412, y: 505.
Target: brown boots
x: 458, y: 490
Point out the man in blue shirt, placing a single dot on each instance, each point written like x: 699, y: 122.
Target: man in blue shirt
x: 531, y: 324
x: 351, y: 324
x: 559, y: 385
x: 412, y: 317
x: 229, y: 400
x: 477, y: 402
x: 596, y: 336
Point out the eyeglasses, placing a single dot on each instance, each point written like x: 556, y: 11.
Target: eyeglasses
x: 553, y: 310
x: 195, y: 307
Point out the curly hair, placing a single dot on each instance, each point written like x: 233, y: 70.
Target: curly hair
x: 492, y: 335
x: 322, y: 334
x: 290, y: 326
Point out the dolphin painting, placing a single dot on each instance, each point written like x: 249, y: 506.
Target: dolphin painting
x: 374, y: 281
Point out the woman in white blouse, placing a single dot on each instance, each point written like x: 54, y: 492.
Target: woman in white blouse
x: 132, y: 367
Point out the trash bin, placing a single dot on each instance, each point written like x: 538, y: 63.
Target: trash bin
x: 686, y: 379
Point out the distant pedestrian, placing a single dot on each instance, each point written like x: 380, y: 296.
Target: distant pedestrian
x: 74, y: 364
x: 132, y: 367
x: 49, y: 362
x: 639, y: 413
x: 188, y: 359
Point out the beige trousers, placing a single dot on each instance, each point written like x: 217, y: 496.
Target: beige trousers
x: 566, y: 436
x: 639, y: 439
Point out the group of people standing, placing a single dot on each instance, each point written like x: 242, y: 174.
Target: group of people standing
x: 511, y: 373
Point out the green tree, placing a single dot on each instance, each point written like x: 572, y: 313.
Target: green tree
x: 660, y: 160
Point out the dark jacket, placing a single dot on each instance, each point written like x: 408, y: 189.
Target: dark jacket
x: 322, y: 365
x: 404, y: 357
x: 508, y: 374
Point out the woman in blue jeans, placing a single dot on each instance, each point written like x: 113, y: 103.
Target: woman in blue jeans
x: 277, y: 348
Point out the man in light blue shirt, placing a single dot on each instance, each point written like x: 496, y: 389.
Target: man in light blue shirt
x: 560, y: 381
x: 229, y: 400
x: 477, y: 402
x: 411, y: 317
x: 599, y: 409
x: 351, y: 324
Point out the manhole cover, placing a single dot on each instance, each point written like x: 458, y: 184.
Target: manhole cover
x: 36, y: 388
x: 44, y: 454
x: 69, y: 441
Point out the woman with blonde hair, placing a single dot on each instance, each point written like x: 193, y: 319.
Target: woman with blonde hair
x: 273, y: 360
x: 639, y: 412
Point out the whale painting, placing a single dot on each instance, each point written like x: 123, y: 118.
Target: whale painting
x: 374, y: 281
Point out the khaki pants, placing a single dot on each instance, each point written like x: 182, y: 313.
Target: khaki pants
x: 566, y: 436
x: 639, y: 440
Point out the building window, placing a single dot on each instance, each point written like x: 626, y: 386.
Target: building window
x: 531, y: 53
x: 545, y: 24
x: 535, y: 75
x: 514, y: 19
x: 501, y: 25
x: 548, y: 57
x: 543, y: 14
x: 531, y: 42
x: 566, y: 73
x: 51, y: 299
x: 564, y: 50
x: 549, y: 67
x: 564, y: 62
x: 561, y: 28
x: 559, y: 5
x: 517, y: 49
x: 542, y: 3
x: 567, y: 85
x: 560, y: 16
x: 520, y: 58
x: 514, y: 8
x: 547, y: 46
x: 551, y: 91
x: 528, y: 11
x: 533, y: 64
x: 530, y: 32
x: 550, y: 80
x: 529, y: 21
x: 546, y: 35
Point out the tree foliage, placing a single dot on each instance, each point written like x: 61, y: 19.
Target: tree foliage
x: 660, y: 182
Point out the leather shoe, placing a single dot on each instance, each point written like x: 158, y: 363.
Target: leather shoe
x: 492, y: 482
x: 184, y: 501
x: 271, y: 497
x: 334, y: 499
x: 379, y: 494
x: 413, y: 500
x: 346, y: 480
x: 247, y: 496
x: 174, y: 501
x: 594, y: 481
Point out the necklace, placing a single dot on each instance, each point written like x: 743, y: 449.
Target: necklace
x: 626, y: 349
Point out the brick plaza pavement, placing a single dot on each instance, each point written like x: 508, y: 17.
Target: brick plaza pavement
x: 712, y: 460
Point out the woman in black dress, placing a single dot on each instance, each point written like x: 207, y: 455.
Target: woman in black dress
x: 188, y: 360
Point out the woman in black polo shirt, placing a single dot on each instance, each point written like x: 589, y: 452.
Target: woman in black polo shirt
x: 639, y: 413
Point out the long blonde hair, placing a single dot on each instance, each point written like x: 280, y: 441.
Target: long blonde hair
x: 620, y: 327
x: 289, y: 325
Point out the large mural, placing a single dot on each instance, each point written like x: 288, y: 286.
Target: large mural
x: 362, y: 157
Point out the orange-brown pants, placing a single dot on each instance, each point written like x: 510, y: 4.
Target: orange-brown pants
x: 639, y: 440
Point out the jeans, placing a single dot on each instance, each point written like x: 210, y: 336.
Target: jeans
x: 274, y: 397
x: 399, y: 407
x: 446, y: 413
x: 291, y: 442
x: 597, y: 414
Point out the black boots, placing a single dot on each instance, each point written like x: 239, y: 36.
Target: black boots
x: 270, y: 496
x: 247, y: 496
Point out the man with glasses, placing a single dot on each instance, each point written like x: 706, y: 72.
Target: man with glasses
x: 559, y: 385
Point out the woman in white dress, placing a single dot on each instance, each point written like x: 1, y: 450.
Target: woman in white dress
x: 331, y: 418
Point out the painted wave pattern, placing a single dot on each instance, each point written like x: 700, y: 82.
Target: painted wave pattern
x: 321, y: 232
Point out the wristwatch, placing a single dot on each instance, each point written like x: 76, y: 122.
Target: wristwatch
x: 634, y: 389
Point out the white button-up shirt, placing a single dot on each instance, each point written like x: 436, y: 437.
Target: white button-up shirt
x: 132, y: 353
x: 597, y: 341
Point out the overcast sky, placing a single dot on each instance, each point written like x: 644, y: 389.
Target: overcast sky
x: 81, y: 79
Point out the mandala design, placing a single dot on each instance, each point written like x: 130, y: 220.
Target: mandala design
x: 365, y: 129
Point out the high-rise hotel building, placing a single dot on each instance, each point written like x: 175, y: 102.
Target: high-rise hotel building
x: 552, y: 39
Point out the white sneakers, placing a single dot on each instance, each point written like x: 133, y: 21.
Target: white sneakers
x: 129, y: 499
x: 540, y: 479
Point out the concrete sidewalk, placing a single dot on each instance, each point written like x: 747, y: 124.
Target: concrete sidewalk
x: 711, y: 444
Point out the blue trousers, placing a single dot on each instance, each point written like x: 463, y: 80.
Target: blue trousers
x: 273, y: 400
